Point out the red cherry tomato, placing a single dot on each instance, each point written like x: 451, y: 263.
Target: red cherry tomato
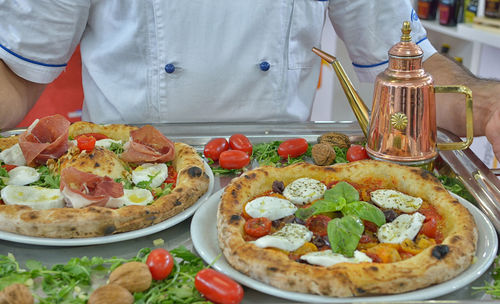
x: 240, y: 142
x: 160, y: 263
x: 356, y: 152
x: 431, y: 222
x: 218, y: 287
x: 97, y: 136
x: 233, y: 159
x: 318, y: 224
x: 86, y: 143
x: 172, y: 176
x: 258, y: 227
x: 293, y: 147
x: 215, y: 147
x: 8, y: 167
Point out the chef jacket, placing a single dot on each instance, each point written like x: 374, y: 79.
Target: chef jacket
x: 197, y: 61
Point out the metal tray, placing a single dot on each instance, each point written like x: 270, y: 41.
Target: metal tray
x: 478, y: 179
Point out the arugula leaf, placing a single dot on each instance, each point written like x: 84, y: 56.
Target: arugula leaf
x: 341, y: 154
x: 365, y: 211
x: 116, y: 148
x: 266, y: 154
x: 344, y: 234
x: 127, y: 184
x: 454, y: 185
x: 47, y: 178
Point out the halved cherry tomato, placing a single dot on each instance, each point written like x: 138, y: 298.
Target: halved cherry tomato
x: 215, y: 147
x: 258, y: 226
x: 240, y: 142
x: 8, y: 167
x: 430, y: 226
x: 293, y: 147
x: 86, y: 143
x: 356, y: 152
x: 318, y: 224
x: 160, y: 263
x: 172, y: 176
x: 233, y: 159
x: 218, y: 287
x: 97, y: 136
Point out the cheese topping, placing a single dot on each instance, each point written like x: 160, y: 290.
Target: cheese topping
x: 13, y: 156
x: 289, y: 238
x: 304, y: 190
x: 405, y: 226
x: 22, y: 175
x: 273, y: 208
x: 393, y: 199
x: 144, y: 172
x: 328, y: 258
x: 33, y: 196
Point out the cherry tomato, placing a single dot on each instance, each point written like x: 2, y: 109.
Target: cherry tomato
x: 240, y: 142
x: 293, y: 147
x: 215, y: 147
x: 160, y: 263
x: 172, y: 176
x: 356, y: 152
x: 86, y: 143
x: 8, y: 167
x: 218, y: 287
x: 233, y: 159
x: 258, y: 226
x: 318, y: 224
x: 97, y: 136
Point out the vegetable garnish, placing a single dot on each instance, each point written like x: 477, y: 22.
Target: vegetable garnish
x: 47, y: 178
x: 493, y: 289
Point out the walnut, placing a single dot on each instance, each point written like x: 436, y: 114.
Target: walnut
x: 111, y: 294
x: 16, y: 294
x: 323, y: 154
x: 335, y: 139
x: 134, y: 276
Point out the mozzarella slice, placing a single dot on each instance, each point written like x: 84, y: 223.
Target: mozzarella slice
x: 143, y: 173
x: 405, y: 226
x: 328, y: 258
x: 393, y: 199
x: 106, y: 142
x: 22, y: 175
x: 273, y: 208
x: 33, y: 196
x: 13, y: 156
x: 77, y: 201
x: 288, y: 238
x: 304, y: 190
x: 137, y: 196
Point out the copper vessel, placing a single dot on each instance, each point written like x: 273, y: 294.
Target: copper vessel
x: 402, y: 126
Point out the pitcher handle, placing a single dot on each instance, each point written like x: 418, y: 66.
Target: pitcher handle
x: 468, y: 116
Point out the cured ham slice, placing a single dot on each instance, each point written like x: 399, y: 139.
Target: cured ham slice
x: 81, y: 189
x: 46, y: 138
x: 148, y: 145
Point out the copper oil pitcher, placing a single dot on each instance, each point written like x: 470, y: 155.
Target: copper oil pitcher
x: 402, y: 126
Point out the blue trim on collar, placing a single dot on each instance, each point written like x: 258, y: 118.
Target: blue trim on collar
x: 380, y: 63
x: 32, y: 61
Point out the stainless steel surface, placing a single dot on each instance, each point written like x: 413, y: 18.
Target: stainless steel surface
x: 465, y: 163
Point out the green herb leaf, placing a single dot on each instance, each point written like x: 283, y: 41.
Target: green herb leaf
x: 344, y: 234
x: 365, y: 211
x: 344, y: 190
x: 47, y: 178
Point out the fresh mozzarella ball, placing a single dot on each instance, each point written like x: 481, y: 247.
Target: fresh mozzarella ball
x: 143, y: 173
x: 405, y: 226
x: 289, y: 238
x: 304, y: 190
x: 23, y: 175
x: 273, y: 208
x: 13, y: 156
x: 33, y: 196
x: 393, y: 199
x: 136, y: 196
x: 106, y: 142
x: 328, y: 258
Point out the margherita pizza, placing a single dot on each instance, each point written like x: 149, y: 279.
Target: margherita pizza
x: 85, y: 180
x: 355, y: 229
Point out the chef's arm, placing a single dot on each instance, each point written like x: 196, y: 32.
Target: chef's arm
x: 17, y: 97
x: 451, y: 107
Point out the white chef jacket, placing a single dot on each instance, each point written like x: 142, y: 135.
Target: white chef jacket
x: 197, y: 61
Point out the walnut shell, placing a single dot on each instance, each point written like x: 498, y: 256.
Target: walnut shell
x: 111, y: 294
x: 16, y: 294
x: 134, y: 276
x: 335, y: 139
x: 323, y: 154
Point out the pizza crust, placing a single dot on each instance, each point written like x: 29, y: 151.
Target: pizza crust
x: 192, y: 183
x: 432, y: 266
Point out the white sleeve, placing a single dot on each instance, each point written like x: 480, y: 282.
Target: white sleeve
x: 369, y: 28
x: 37, y: 37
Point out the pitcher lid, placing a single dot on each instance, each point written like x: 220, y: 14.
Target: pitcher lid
x: 406, y: 48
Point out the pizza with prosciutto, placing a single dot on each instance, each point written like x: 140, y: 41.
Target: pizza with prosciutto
x: 63, y: 180
x: 355, y: 229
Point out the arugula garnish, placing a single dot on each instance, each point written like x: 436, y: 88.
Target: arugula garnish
x: 493, y: 288
x: 47, y: 178
x: 117, y: 148
x: 454, y: 185
x: 3, y: 174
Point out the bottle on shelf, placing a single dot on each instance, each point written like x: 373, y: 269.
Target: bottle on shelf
x: 426, y: 9
x: 449, y: 11
x: 470, y: 10
x: 492, y: 9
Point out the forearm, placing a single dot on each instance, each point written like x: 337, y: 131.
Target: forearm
x: 17, y: 97
x: 451, y: 107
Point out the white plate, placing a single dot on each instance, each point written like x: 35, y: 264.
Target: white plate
x: 7, y: 236
x: 204, y: 237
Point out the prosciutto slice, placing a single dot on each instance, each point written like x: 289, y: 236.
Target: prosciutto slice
x: 46, y: 138
x: 81, y: 189
x: 148, y: 145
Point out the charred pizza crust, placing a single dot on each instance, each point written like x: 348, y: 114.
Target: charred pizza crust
x: 433, y: 265
x: 192, y: 183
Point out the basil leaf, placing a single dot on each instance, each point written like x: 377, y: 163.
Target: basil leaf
x: 304, y: 213
x: 323, y: 206
x: 342, y: 189
x: 344, y: 234
x: 365, y: 211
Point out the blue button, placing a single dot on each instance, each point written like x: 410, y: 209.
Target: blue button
x: 169, y: 68
x: 264, y: 66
